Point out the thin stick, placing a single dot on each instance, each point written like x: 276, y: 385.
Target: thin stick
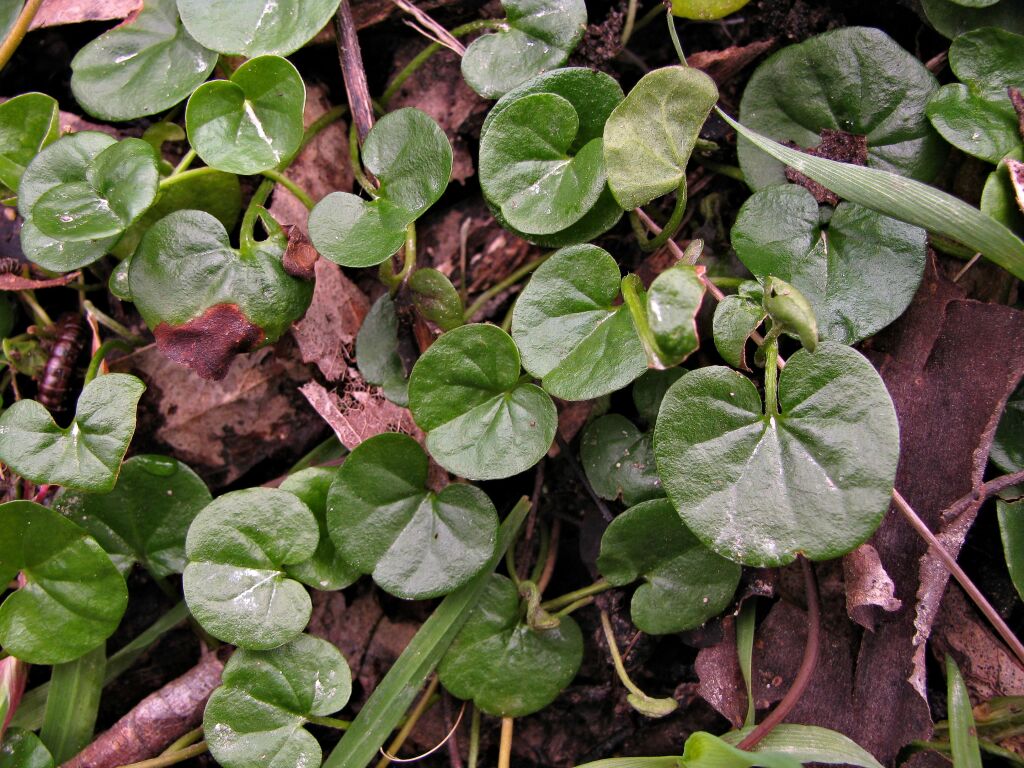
x: 430, y: 28
x: 410, y: 723
x: 352, y: 70
x: 958, y: 573
x: 433, y: 749
x: 18, y: 31
x: 810, y: 660
x: 505, y: 750
x: 967, y: 266
x: 983, y: 493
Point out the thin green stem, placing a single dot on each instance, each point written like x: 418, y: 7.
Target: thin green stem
x: 38, y: 313
x: 247, y: 234
x: 183, y: 164
x: 627, y: 29
x: 409, y: 260
x: 172, y: 758
x: 720, y: 168
x: 301, y: 194
x: 327, y: 118
x: 582, y: 602
x: 635, y: 297
x: 675, y: 38
x: 111, y: 324
x: 671, y: 226
x: 329, y: 722
x: 178, y: 177
x: 556, y: 603
x: 474, y: 738
x: 510, y: 565
x: 105, y: 348
x: 506, y: 323
x: 187, y: 740
x: 18, y: 31
x: 357, y: 164
x: 771, y: 376
x: 613, y: 649
x: 648, y: 17
x: 542, y: 555
x: 503, y: 285
x: 726, y: 282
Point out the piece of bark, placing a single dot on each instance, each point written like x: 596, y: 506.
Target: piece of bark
x: 156, y: 721
x: 360, y: 413
x: 722, y: 66
x: 868, y: 587
x: 721, y: 680
x: 53, y: 13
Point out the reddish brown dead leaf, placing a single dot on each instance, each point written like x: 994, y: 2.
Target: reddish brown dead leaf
x: 326, y: 335
x: 300, y: 256
x: 359, y: 414
x: 53, y: 13
x: 1017, y: 99
x: 207, y: 343
x: 12, y: 281
x: 1016, y: 169
x: 723, y: 65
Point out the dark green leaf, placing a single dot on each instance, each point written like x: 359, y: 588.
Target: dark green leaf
x: 686, y: 584
x: 326, y: 569
x: 809, y: 744
x: 235, y: 581
x: 619, y: 460
x: 569, y: 331
x: 636, y: 762
x: 252, y: 122
x: 385, y: 522
x: 506, y: 668
x: 145, y: 518
x: 411, y: 157
x: 649, y: 390
x: 999, y: 196
x: 86, y: 455
x: 649, y: 137
x: 1011, y: 529
x: 736, y: 317
x: 377, y: 351
x: 758, y: 489
x: 538, y: 35
x: 963, y: 736
x: 952, y: 19
x: 140, y: 68
x: 672, y: 304
x: 23, y: 749
x: 1007, y: 450
x: 482, y: 420
x: 436, y: 299
x: 71, y: 586
x: 28, y: 124
x: 256, y: 27
x: 256, y: 718
x: 72, y: 704
x: 854, y: 79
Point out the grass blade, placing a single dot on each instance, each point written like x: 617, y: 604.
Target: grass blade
x: 963, y: 736
x: 903, y: 199
x: 635, y: 762
x: 72, y: 704
x: 385, y: 707
x: 745, y: 651
x: 809, y: 744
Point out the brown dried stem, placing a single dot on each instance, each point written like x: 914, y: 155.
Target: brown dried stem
x: 352, y: 70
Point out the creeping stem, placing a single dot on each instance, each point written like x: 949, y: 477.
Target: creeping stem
x: 18, y: 31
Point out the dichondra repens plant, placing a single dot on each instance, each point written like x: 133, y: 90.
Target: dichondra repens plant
x: 777, y: 444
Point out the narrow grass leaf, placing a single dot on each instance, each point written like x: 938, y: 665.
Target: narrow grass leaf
x: 72, y: 704
x: 962, y: 734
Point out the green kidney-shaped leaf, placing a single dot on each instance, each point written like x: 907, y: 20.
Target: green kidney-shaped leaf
x: 686, y: 583
x: 504, y: 666
x: 538, y: 35
x: 23, y: 749
x: 326, y: 569
x: 252, y: 122
x: 415, y: 543
x: 140, y: 68
x: 975, y: 115
x: 147, y: 515
x: 1008, y: 445
x: 256, y: 718
x: 570, y: 334
x: 255, y: 27
x: 860, y: 271
x: 760, y: 489
x: 619, y: 460
x: 411, y: 157
x: 854, y: 79
x: 1011, y: 530
x: 235, y: 582
x: 483, y: 421
x: 736, y: 317
x: 436, y: 299
x: 28, y: 124
x: 73, y: 597
x: 649, y: 137
x: 673, y: 301
x: 377, y: 351
x: 86, y: 455
x: 952, y: 19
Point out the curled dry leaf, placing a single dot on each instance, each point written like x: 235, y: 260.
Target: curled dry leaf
x: 868, y: 587
x: 53, y: 13
x: 208, y: 343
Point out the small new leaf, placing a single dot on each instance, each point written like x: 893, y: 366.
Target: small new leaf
x: 253, y: 28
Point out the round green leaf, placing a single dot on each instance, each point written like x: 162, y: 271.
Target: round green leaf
x: 411, y: 157
x: 975, y: 115
x: 482, y: 420
x: 860, y: 271
x: 235, y: 581
x: 86, y: 455
x: 757, y: 489
x: 686, y: 583
x: 506, y: 668
x: 256, y: 718
x: 952, y: 19
x: 736, y: 317
x: 23, y: 749
x: 649, y: 137
x: 619, y: 460
x: 385, y: 522
x: 1008, y: 446
x: 256, y: 27
x: 326, y: 570
x: 252, y: 122
x: 140, y: 68
x: 538, y: 35
x: 147, y: 515
x: 28, y: 124
x: 854, y: 79
x: 436, y: 299
x: 119, y: 184
x: 377, y: 351
x: 570, y: 333
x: 73, y: 597
x: 672, y: 304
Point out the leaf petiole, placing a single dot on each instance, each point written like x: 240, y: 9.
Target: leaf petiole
x: 556, y: 603
x: 105, y: 349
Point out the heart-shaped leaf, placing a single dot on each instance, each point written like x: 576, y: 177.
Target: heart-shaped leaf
x: 147, y: 515
x: 116, y: 188
x: 686, y: 583
x: 619, y: 460
x: 504, y: 666
x: 86, y: 455
x: 673, y: 301
x: 415, y: 543
x: 976, y: 115
x: 436, y: 299
x: 256, y: 718
x: 326, y: 569
x: 23, y: 749
x: 569, y: 331
x: 412, y: 159
x: 1007, y: 450
x: 206, y: 300
x: 73, y: 597
x: 760, y: 489
x: 951, y: 19
x: 483, y: 421
x: 856, y: 80
x: 140, y: 68
x: 859, y: 271
x: 736, y: 317
x: 252, y: 122
x: 255, y: 27
x: 649, y: 137
x: 238, y: 548
x: 377, y: 351
x: 28, y: 124
x: 538, y: 35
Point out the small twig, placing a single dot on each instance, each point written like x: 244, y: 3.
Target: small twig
x: 967, y: 266
x: 410, y: 723
x: 983, y: 493
x: 505, y: 749
x: 170, y: 758
x: 18, y: 31
x: 433, y: 749
x: 353, y: 71
x: 582, y: 477
x: 810, y: 660
x: 429, y: 28
x: 552, y: 558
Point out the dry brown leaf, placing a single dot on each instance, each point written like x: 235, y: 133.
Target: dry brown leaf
x: 360, y: 413
x: 327, y: 334
x: 723, y: 65
x: 53, y: 13
x: 12, y: 281
x: 868, y: 587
